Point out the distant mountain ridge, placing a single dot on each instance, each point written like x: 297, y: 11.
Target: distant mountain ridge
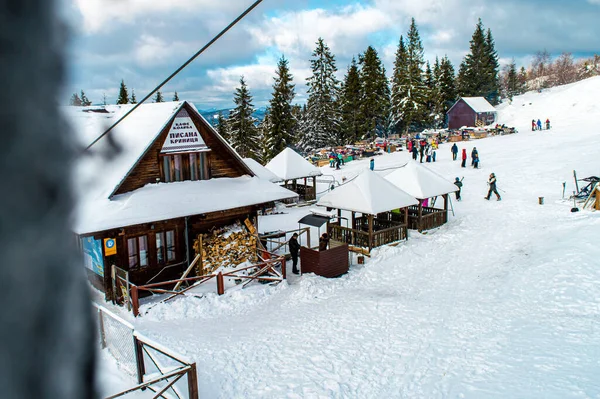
x: 211, y: 115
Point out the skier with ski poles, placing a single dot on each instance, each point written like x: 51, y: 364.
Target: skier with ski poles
x: 492, y: 183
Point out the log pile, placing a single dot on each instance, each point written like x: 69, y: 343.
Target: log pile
x: 227, y: 247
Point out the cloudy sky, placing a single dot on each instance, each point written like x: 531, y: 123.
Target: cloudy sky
x: 143, y: 41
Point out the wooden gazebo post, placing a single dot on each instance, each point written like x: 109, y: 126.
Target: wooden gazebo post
x: 420, y: 215
x: 445, y: 207
x: 315, y: 186
x: 370, y: 232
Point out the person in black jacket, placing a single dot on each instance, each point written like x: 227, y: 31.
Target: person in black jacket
x: 492, y: 184
x: 474, y: 154
x: 454, y: 152
x: 323, y: 242
x: 458, y: 183
x: 294, y: 251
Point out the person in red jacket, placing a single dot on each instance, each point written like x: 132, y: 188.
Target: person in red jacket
x: 464, y: 158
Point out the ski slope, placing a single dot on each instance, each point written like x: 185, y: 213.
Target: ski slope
x: 502, y: 302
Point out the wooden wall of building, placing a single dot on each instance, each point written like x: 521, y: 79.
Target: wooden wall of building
x: 222, y: 162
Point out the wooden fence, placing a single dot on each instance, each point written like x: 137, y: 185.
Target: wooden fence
x: 157, y: 368
x: 360, y: 238
x: 430, y: 218
x: 265, y: 271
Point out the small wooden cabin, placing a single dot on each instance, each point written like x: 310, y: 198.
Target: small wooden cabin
x: 471, y: 112
x: 297, y: 174
x: 149, y: 187
x: 426, y: 186
x: 371, y: 200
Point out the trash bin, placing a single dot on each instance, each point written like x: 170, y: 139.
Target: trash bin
x: 541, y: 200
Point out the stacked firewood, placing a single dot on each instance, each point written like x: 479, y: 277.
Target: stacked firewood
x: 227, y: 247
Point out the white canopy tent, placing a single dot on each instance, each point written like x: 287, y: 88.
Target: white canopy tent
x: 368, y: 193
x: 423, y: 183
x: 419, y: 181
x: 261, y: 171
x: 373, y: 197
x: 290, y: 166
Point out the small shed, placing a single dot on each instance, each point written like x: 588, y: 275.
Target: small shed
x: 423, y: 184
x: 261, y: 172
x: 471, y: 112
x: 295, y: 172
x: 374, y: 198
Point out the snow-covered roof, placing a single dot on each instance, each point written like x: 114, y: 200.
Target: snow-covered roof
x: 419, y: 181
x: 97, y: 175
x: 261, y: 171
x: 289, y: 165
x: 133, y: 136
x: 368, y: 193
x: 479, y: 104
x: 162, y: 201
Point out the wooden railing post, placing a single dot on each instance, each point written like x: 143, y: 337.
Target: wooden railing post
x: 139, y: 358
x: 283, y: 271
x: 193, y: 382
x: 220, y: 284
x: 135, y: 300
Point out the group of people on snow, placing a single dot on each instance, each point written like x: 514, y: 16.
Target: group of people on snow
x: 538, y: 125
x: 336, y: 159
x: 474, y: 156
x: 422, y: 149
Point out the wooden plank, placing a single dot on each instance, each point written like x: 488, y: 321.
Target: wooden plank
x: 189, y: 269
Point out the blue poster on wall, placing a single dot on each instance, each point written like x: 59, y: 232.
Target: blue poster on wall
x: 92, y: 255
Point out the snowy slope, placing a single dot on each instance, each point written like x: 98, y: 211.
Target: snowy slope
x: 502, y: 302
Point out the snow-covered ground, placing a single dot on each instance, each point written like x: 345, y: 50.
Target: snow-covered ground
x: 502, y: 302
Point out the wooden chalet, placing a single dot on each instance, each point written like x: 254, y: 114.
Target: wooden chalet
x: 423, y: 184
x: 471, y: 112
x: 147, y: 189
x: 372, y: 201
x: 297, y: 173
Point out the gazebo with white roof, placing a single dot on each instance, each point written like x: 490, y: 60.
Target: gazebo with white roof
x: 261, y: 171
x: 374, y: 198
x: 425, y: 185
x: 291, y: 167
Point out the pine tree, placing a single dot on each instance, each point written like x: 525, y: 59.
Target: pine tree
x: 511, y: 81
x: 447, y: 85
x: 400, y: 88
x: 123, y: 95
x: 244, y: 135
x: 159, y: 97
x: 281, y: 121
x: 322, y: 110
x: 84, y: 100
x: 431, y: 102
x: 222, y: 126
x: 523, y: 78
x: 263, y: 153
x: 75, y: 100
x: 350, y: 124
x: 374, y: 95
x: 410, y: 95
x: 492, y: 89
x: 175, y: 97
x: 478, y: 74
x: 133, y: 99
